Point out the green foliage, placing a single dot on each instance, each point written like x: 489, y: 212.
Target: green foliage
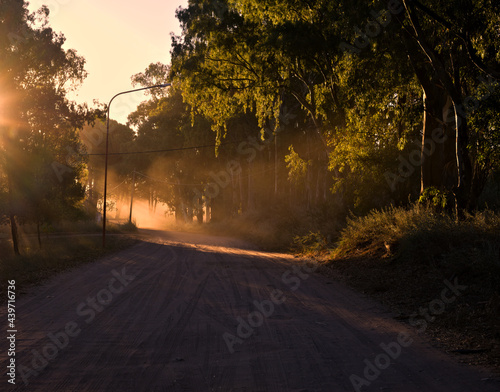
x: 230, y: 62
x: 313, y: 242
x: 371, y: 234
x: 164, y: 122
x: 484, y: 121
x: 297, y: 167
x: 338, y: 123
x: 490, y: 198
x: 362, y: 109
x: 41, y: 169
x: 419, y: 235
x: 436, y: 199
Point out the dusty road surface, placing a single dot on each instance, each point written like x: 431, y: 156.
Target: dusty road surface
x: 185, y: 312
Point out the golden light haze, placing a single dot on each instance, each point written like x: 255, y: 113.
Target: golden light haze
x: 118, y: 39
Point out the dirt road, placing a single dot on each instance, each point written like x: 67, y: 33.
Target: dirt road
x: 185, y: 312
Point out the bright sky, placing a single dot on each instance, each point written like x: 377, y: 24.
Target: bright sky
x: 118, y: 39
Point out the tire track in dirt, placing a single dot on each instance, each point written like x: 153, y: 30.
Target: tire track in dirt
x: 164, y: 331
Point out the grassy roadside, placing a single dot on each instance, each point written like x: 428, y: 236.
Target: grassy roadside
x: 406, y: 258
x: 58, y: 254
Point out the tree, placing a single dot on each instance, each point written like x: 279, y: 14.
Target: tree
x: 460, y: 43
x: 245, y: 56
x: 39, y: 124
x: 230, y: 62
x: 164, y: 123
x: 120, y: 166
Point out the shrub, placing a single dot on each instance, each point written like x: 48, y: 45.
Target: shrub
x: 421, y: 235
x: 310, y: 243
x: 436, y: 199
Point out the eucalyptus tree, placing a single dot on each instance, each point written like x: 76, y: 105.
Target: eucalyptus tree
x: 237, y: 56
x: 39, y: 124
x: 163, y: 124
x: 453, y: 47
x: 363, y: 72
x: 253, y: 56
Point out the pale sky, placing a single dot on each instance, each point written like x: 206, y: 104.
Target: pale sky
x: 118, y: 39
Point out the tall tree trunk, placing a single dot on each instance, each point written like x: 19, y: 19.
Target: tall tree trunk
x: 452, y: 86
x: 464, y: 165
x: 12, y: 216
x: 438, y: 151
x: 13, y: 229
x: 132, y: 197
x: 208, y: 210
x: 199, y: 211
x: 276, y: 165
x: 217, y: 211
x: 119, y: 205
x: 479, y: 179
x: 93, y: 196
x: 189, y: 213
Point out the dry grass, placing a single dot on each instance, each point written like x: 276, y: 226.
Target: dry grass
x: 403, y: 257
x: 420, y: 235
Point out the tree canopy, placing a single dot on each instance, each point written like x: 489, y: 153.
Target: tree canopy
x: 40, y: 162
x: 320, y: 105
x: 388, y: 92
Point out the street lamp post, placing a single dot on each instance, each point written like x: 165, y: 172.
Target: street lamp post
x: 106, y: 158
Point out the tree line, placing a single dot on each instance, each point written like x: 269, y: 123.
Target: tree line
x: 353, y: 105
x: 40, y: 166
x: 319, y: 106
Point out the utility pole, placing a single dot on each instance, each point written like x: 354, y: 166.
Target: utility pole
x: 104, y: 207
x: 132, y: 198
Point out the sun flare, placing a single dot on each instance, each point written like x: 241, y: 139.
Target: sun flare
x: 7, y: 100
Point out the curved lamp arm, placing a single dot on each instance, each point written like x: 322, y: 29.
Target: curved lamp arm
x: 106, y: 159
